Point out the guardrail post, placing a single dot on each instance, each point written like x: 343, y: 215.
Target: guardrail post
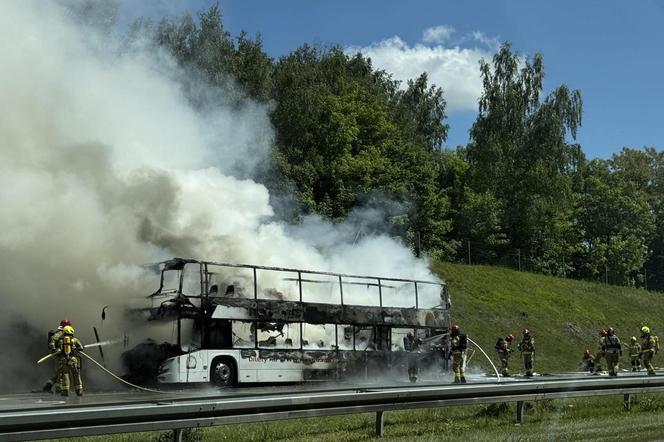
x: 380, y: 423
x: 178, y: 435
x: 519, y: 411
x: 627, y: 401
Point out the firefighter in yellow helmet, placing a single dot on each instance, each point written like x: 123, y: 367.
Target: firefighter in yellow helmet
x: 648, y: 347
x: 458, y: 345
x: 503, y: 347
x: 613, y: 349
x: 527, y: 349
x: 53, y: 336
x: 635, y: 354
x: 69, y: 361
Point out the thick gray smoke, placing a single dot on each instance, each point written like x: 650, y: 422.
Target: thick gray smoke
x: 105, y: 166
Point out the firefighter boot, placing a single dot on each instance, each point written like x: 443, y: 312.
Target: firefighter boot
x: 79, y: 391
x: 48, y: 387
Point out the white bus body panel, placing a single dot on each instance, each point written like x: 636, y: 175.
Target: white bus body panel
x: 195, y: 367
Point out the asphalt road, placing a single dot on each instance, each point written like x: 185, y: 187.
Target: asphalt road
x: 42, y: 400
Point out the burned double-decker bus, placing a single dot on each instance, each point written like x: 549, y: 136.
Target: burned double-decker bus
x: 252, y: 324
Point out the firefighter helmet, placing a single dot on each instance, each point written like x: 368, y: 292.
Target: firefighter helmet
x: 602, y: 332
x: 65, y: 322
x: 455, y: 328
x: 68, y: 329
x: 645, y: 329
x: 509, y: 338
x: 633, y: 339
x: 586, y: 353
x: 526, y: 332
x: 610, y: 331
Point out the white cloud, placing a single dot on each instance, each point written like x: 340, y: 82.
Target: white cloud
x: 455, y: 69
x: 437, y: 34
x: 491, y: 42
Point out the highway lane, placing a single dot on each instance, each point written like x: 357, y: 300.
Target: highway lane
x: 42, y: 400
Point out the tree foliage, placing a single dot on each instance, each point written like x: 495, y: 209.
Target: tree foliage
x: 345, y: 133
x: 348, y: 135
x: 519, y: 153
x: 617, y: 223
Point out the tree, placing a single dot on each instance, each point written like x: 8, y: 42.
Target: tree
x: 644, y: 169
x: 519, y: 152
x: 341, y: 139
x: 252, y: 67
x: 479, y: 221
x: 617, y: 225
x: 206, y: 49
x: 423, y: 109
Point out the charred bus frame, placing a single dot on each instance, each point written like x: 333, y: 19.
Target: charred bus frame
x: 263, y: 307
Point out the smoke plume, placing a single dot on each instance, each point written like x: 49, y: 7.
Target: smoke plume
x: 106, y: 166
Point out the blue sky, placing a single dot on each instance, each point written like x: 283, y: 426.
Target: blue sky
x: 609, y: 50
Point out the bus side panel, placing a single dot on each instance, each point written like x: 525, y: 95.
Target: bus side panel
x: 194, y: 367
x: 187, y: 368
x: 282, y: 365
x: 280, y: 375
x: 247, y: 370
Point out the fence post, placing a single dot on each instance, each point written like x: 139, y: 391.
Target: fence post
x: 627, y: 401
x: 380, y: 423
x: 469, y: 261
x: 519, y: 411
x: 178, y: 435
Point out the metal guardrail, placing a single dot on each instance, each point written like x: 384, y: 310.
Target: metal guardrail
x: 176, y: 414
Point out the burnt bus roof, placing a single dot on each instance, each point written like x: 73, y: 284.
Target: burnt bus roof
x: 179, y: 263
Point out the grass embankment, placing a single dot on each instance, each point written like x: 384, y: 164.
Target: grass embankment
x: 564, y: 316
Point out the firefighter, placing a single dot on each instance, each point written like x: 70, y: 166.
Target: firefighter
x: 412, y: 345
x: 635, y: 354
x: 613, y: 349
x: 69, y: 362
x: 527, y: 349
x: 588, y: 361
x: 648, y: 348
x: 503, y: 347
x: 458, y: 346
x: 53, y: 336
x: 601, y: 350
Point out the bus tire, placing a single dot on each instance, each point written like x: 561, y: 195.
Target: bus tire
x: 223, y: 372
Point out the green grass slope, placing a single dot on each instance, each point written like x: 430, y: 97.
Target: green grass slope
x: 564, y: 315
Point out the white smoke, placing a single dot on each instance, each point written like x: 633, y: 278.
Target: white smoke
x: 106, y: 166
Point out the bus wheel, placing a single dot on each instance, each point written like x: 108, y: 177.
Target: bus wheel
x: 223, y: 373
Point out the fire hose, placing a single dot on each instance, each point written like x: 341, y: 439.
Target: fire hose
x: 150, y: 390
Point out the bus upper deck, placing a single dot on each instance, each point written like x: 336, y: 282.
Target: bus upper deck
x: 191, y: 288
